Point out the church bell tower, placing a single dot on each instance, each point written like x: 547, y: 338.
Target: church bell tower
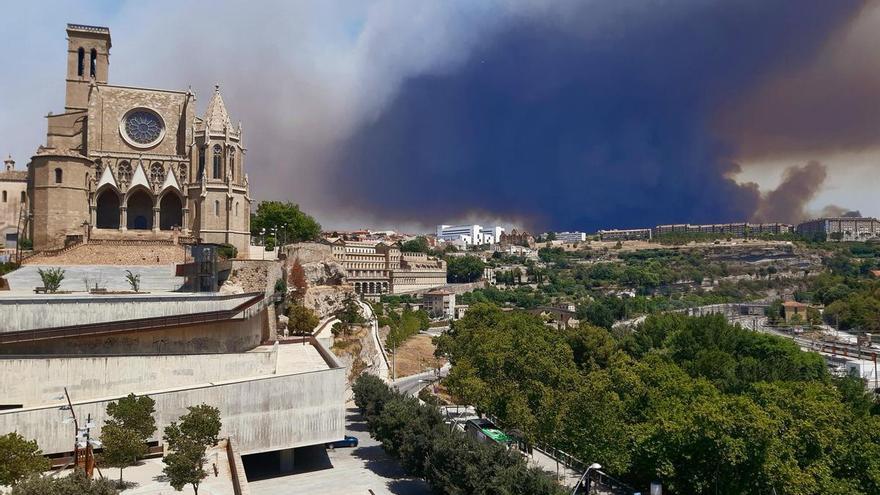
x: 88, y: 60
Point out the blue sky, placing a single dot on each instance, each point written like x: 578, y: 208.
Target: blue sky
x: 566, y: 115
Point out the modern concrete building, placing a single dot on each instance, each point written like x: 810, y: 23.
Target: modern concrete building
x: 179, y: 349
x: 470, y: 235
x: 13, y: 204
x: 850, y: 228
x: 129, y: 163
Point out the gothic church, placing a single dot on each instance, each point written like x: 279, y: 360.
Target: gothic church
x: 125, y: 163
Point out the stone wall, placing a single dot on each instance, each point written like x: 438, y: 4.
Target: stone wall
x: 252, y: 276
x: 101, y: 254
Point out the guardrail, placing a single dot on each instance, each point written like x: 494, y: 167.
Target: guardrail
x: 239, y: 480
x: 122, y: 326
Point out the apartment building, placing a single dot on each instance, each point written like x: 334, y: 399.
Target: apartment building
x: 851, y: 228
x: 625, y: 235
x: 573, y: 237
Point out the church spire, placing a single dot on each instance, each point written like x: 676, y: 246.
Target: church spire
x: 216, y: 116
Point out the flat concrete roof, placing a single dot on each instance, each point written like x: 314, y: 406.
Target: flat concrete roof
x: 296, y: 358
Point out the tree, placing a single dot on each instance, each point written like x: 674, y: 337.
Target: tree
x: 51, y: 278
x: 134, y: 413
x: 298, y: 280
x: 19, y: 458
x: 197, y: 430
x: 302, y: 320
x: 122, y: 447
x: 133, y: 280
x: 77, y: 483
x: 350, y: 314
x: 185, y: 466
x: 417, y: 245
x: 200, y: 425
x: 464, y: 269
x: 293, y: 225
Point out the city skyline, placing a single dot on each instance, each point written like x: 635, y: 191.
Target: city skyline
x: 392, y: 115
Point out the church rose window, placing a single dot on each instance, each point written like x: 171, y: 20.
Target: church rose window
x: 143, y: 127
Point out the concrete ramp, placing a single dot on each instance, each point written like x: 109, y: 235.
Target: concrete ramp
x: 112, y: 277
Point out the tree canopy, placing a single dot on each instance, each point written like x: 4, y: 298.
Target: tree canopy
x: 701, y: 405
x: 293, y: 225
x: 464, y: 269
x: 19, y: 458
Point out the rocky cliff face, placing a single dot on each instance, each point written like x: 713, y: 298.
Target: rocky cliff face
x: 319, y: 265
x: 325, y: 277
x: 325, y: 300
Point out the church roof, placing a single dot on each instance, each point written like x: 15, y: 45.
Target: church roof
x: 216, y: 116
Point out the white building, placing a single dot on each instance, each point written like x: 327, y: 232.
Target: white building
x: 469, y: 234
x: 571, y: 236
x: 491, y: 235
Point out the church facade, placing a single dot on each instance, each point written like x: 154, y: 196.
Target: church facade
x: 127, y: 163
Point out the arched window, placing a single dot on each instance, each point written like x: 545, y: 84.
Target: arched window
x: 232, y: 165
x: 58, y: 175
x: 123, y: 173
x: 216, y: 208
x: 157, y: 173
x: 23, y: 197
x: 182, y: 174
x: 81, y: 61
x: 4, y: 196
x: 201, y: 162
x: 218, y: 161
x: 93, y: 63
x: 236, y: 204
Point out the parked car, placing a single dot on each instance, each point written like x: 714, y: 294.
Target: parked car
x: 348, y: 441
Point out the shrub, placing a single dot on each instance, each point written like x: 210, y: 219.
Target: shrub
x: 227, y: 251
x: 51, y: 278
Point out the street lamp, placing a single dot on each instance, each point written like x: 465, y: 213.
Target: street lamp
x: 593, y: 467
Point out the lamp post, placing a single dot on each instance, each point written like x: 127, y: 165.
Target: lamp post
x: 594, y: 466
x: 263, y: 236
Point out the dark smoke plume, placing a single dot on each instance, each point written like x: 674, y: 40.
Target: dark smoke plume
x: 599, y: 119
x: 787, y: 202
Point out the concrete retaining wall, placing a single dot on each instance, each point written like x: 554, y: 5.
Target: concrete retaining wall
x: 262, y: 414
x: 35, y: 380
x: 49, y: 311
x: 237, y: 335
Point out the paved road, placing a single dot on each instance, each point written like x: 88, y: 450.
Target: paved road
x: 344, y: 471
x: 412, y: 384
x: 381, y: 359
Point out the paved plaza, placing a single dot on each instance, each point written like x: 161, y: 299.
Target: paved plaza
x: 363, y: 470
